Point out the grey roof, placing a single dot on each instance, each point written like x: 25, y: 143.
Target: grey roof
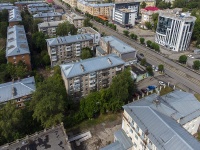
x: 40, y: 9
x: 53, y: 138
x: 161, y: 129
x: 49, y: 14
x: 50, y: 24
x: 14, y: 15
x: 22, y: 87
x: 68, y: 39
x: 101, y: 5
x: 29, y: 2
x: 113, y: 146
x: 75, y: 16
x: 6, y: 4
x: 16, y: 41
x: 90, y: 65
x: 9, y: 7
x: 138, y: 70
x: 88, y: 30
x: 37, y: 5
x: 100, y: 50
x: 117, y: 44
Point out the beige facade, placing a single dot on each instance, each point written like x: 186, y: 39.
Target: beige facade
x: 148, y: 2
x: 147, y: 15
x: 75, y: 19
x: 68, y: 48
x: 89, y: 79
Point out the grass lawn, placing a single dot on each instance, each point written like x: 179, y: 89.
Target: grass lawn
x: 165, y: 90
x: 102, y: 118
x: 198, y: 97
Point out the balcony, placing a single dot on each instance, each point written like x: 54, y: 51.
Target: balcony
x: 68, y: 48
x: 92, y: 85
x: 77, y: 81
x: 54, y: 58
x: 92, y: 81
x: 53, y: 51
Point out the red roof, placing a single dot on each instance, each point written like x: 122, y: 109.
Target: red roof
x: 49, y: 1
x: 151, y: 8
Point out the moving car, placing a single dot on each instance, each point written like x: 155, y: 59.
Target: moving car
x: 161, y: 83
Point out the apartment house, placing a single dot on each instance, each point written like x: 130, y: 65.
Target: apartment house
x: 44, y: 9
x: 148, y: 2
x: 91, y: 74
x: 67, y: 48
x: 47, y: 17
x: 7, y: 7
x: 5, y: 4
x: 125, y: 17
x: 93, y: 33
x: 17, y: 91
x: 17, y: 48
x: 75, y: 19
x: 111, y: 44
x: 23, y: 4
x: 14, y: 17
x: 49, y: 28
x: 53, y: 138
x: 174, y: 29
x: 36, y: 5
x: 147, y: 14
x: 159, y: 123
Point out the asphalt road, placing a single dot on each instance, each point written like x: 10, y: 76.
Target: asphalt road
x: 181, y: 74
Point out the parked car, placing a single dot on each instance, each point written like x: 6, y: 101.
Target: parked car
x: 156, y: 69
x: 152, y: 87
x: 144, y: 90
x: 161, y: 83
x: 135, y: 95
x: 139, y: 92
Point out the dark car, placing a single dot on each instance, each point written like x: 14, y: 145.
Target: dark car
x: 144, y: 91
x: 139, y: 92
x: 135, y: 95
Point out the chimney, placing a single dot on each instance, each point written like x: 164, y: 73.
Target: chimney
x: 109, y: 61
x: 108, y: 47
x: 13, y: 91
x: 82, y: 68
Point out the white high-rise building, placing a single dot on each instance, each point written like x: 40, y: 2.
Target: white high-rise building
x: 174, y: 30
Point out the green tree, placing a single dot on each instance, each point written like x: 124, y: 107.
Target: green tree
x: 143, y: 4
x: 183, y: 59
x: 142, y: 40
x: 65, y: 28
x: 45, y: 58
x: 179, y: 3
x: 156, y: 47
x: 3, y: 56
x: 132, y: 35
x: 48, y: 102
x: 126, y: 32
x: 135, y: 37
x: 161, y: 68
x: 3, y: 29
x: 35, y: 25
x: 149, y: 69
x: 149, y: 43
x: 27, y: 20
x: 196, y: 65
x: 21, y: 69
x: 155, y: 20
x: 39, y: 41
x: 148, y: 25
x: 86, y: 53
x: 4, y: 15
x: 143, y: 62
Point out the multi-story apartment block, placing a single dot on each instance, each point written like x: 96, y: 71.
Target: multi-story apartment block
x: 93, y: 33
x: 36, y: 5
x: 17, y: 48
x: 148, y: 2
x: 95, y: 9
x: 44, y: 9
x: 23, y: 4
x: 72, y: 3
x: 67, y: 48
x: 47, y: 17
x: 5, y: 4
x: 147, y: 13
x: 159, y: 123
x: 111, y: 44
x: 14, y: 17
x: 7, y: 7
x: 125, y: 17
x: 49, y: 28
x: 75, y: 19
x: 174, y: 30
x: 132, y: 6
x: 91, y: 74
x: 17, y: 91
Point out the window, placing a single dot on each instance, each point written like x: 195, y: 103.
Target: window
x: 131, y: 130
x: 14, y: 57
x: 137, y: 128
x: 136, y: 137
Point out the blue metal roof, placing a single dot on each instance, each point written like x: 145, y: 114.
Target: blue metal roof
x: 113, y: 146
x: 37, y: 5
x: 16, y: 41
x: 22, y: 87
x: 69, y: 39
x: 40, y: 9
x: 117, y: 44
x: 101, y: 5
x: 48, y: 14
x: 14, y: 15
x: 8, y: 7
x: 90, y: 65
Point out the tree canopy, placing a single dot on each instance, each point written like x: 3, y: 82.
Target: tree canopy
x: 183, y: 59
x: 143, y: 4
x: 196, y: 65
x: 86, y: 53
x: 65, y: 28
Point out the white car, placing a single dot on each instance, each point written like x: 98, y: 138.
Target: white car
x: 161, y: 83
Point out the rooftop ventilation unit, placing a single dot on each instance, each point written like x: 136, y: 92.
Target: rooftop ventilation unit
x: 109, y: 61
x: 82, y: 68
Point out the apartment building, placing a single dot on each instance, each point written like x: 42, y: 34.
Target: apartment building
x: 36, y: 5
x: 47, y: 17
x: 93, y: 33
x: 148, y: 2
x: 95, y: 9
x: 14, y: 17
x: 75, y: 19
x: 125, y: 17
x: 44, y: 9
x: 5, y: 4
x: 23, y: 4
x: 49, y: 28
x: 174, y: 30
x: 131, y: 6
x: 17, y: 48
x: 147, y: 14
x: 17, y: 91
x: 159, y: 123
x: 111, y: 44
x: 91, y: 74
x: 7, y: 7
x: 67, y: 48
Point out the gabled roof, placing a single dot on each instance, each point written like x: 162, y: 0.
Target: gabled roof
x: 154, y: 118
x: 119, y: 45
x: 101, y: 5
x: 29, y: 2
x: 16, y: 41
x: 14, y: 15
x: 50, y: 24
x: 68, y: 39
x: 37, y: 5
x: 8, y: 7
x: 20, y: 88
x: 49, y: 14
x: 40, y: 9
x: 6, y: 4
x: 151, y: 8
x: 90, y: 65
